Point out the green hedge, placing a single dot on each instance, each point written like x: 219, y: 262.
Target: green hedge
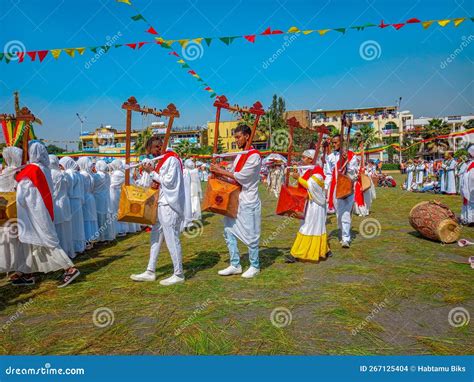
x: 390, y: 166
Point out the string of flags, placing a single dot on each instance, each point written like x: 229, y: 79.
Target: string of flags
x: 13, y: 131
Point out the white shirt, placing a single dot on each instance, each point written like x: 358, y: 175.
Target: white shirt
x: 248, y: 177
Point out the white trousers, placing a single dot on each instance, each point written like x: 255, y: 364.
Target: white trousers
x: 344, y: 219
x: 168, y: 228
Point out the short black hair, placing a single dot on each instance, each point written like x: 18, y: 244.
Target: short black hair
x: 244, y: 129
x: 152, y: 139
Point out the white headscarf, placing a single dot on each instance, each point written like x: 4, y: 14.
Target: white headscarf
x: 189, y: 164
x: 38, y: 154
x: 101, y: 166
x: 117, y: 165
x: 12, y: 157
x: 68, y: 163
x: 53, y: 162
x: 309, y: 153
x: 85, y: 164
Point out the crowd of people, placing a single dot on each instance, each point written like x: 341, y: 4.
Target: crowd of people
x: 66, y: 207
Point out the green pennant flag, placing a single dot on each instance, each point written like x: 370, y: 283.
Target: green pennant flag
x: 105, y: 48
x: 368, y: 25
x: 185, y: 66
x: 208, y: 40
x: 359, y: 28
x: 137, y: 17
x: 342, y: 30
x: 1, y: 56
x: 94, y: 49
x: 201, y: 80
x: 7, y: 58
x: 118, y: 45
x: 227, y: 40
x: 213, y: 95
x: 165, y: 45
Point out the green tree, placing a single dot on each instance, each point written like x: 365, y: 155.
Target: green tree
x: 54, y: 150
x: 367, y: 136
x: 434, y: 128
x: 140, y: 143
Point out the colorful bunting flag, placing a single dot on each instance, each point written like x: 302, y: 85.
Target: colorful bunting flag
x: 227, y: 40
x: 21, y: 56
x: 341, y: 30
x: 458, y: 21
x: 413, y: 20
x: 55, y: 53
x: 32, y: 55
x: 138, y: 17
x: 152, y: 30
x: 124, y: 1
x: 42, y: 54
x: 322, y: 32
x: 208, y: 40
x: 250, y: 38
x: 443, y: 23
x: 133, y: 46
x: 293, y: 30
x: 398, y: 26
x: 70, y: 51
x: 427, y: 24
x: 382, y: 25
x: 81, y: 51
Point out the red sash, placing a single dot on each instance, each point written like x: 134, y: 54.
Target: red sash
x: 162, y: 161
x: 36, y: 176
x: 464, y: 200
x: 332, y: 187
x: 310, y: 172
x: 243, y: 158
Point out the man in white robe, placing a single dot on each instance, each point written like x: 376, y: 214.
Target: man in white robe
x: 102, y: 201
x: 62, y: 207
x: 169, y: 175
x: 450, y: 168
x: 420, y: 172
x: 76, y: 199
x: 410, y: 170
x: 246, y: 227
x: 467, y: 191
x: 196, y: 191
x: 35, y: 210
x: 343, y: 207
x: 188, y: 212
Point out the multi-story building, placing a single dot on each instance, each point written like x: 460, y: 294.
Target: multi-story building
x: 226, y: 135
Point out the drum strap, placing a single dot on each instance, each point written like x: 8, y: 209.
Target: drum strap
x: 243, y: 158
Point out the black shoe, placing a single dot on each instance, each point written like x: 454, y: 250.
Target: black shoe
x: 68, y: 278
x: 290, y: 259
x: 24, y: 281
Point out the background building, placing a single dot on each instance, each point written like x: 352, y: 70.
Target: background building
x: 226, y: 135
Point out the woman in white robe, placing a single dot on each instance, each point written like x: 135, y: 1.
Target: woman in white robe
x: 117, y: 179
x: 11, y: 250
x: 188, y: 213
x: 467, y: 191
x: 89, y: 209
x: 62, y: 207
x: 410, y: 171
x: 196, y: 192
x: 450, y: 166
x: 102, y: 201
x: 420, y: 172
x: 76, y: 199
x: 33, y: 197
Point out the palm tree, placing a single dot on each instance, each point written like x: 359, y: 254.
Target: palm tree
x: 366, y: 135
x: 140, y: 144
x: 434, y: 128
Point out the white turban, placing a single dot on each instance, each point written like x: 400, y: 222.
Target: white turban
x: 38, y: 154
x: 12, y: 156
x: 189, y: 164
x: 309, y: 153
x: 117, y: 165
x: 85, y: 164
x: 101, y: 166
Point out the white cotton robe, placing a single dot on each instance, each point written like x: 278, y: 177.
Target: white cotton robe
x: 39, y: 233
x: 467, y: 193
x: 246, y: 227
x: 196, y: 194
x: 117, y: 179
x: 409, y: 182
x: 102, y: 200
x: 89, y: 209
x: 450, y: 176
x: 62, y: 207
x: 188, y: 213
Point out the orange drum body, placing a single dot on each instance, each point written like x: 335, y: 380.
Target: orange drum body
x: 7, y: 207
x: 292, y: 202
x: 365, y: 182
x: 138, y: 205
x: 344, y: 186
x: 435, y: 221
x: 221, y: 198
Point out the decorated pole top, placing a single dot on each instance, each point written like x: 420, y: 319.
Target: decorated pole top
x: 132, y: 105
x: 223, y: 103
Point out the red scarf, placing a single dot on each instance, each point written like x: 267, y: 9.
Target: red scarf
x: 332, y: 187
x: 243, y: 158
x: 310, y: 172
x: 464, y: 200
x: 36, y: 176
x: 162, y: 161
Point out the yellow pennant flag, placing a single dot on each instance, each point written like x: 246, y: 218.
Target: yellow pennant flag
x: 427, y: 24
x: 308, y: 31
x: 196, y: 76
x: 198, y: 40
x: 124, y: 1
x: 183, y: 43
x: 293, y: 30
x: 322, y: 32
x: 458, y: 21
x: 443, y: 23
x: 180, y: 62
x: 55, y: 52
x: 70, y: 51
x: 159, y: 39
x: 80, y: 50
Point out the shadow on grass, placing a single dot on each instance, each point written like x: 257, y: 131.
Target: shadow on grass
x: 201, y: 261
x: 269, y: 255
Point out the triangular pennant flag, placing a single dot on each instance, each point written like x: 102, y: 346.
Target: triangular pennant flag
x: 21, y: 56
x: 124, y: 1
x: 173, y: 53
x: 250, y: 38
x: 152, y: 30
x: 227, y: 40
x: 183, y: 43
x: 185, y: 66
x: 159, y: 40
x: 105, y: 48
x: 196, y: 76
x: 133, y: 46
x: 427, y: 24
x: 117, y: 45
x: 277, y: 31
x: 70, y: 51
x: 7, y: 58
x: 200, y: 80
x: 42, y: 54
x: 198, y: 40
x: 165, y: 45
x: 208, y: 40
x: 32, y: 55
x: 322, y: 32
x: 55, y: 53
x: 443, y: 23
x: 458, y: 21
x: 382, y: 25
x: 181, y: 62
x: 80, y: 51
x: 341, y: 30
x: 94, y: 49
x: 137, y: 17
x: 359, y: 28
x: 308, y: 31
x: 213, y: 95
x: 293, y: 30
x: 1, y: 56
x: 140, y: 44
x: 413, y: 21
x: 266, y: 31
x: 398, y: 26
x: 191, y: 72
x: 208, y: 88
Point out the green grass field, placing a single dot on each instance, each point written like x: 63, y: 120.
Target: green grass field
x: 389, y: 294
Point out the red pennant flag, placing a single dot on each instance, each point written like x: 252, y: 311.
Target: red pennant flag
x: 413, y: 20
x: 208, y: 88
x: 133, y: 46
x: 250, y: 38
x: 152, y: 30
x: 21, y: 56
x: 398, y: 26
x: 140, y: 44
x: 382, y: 25
x: 277, y: 32
x: 191, y: 72
x: 32, y: 55
x: 173, y: 53
x: 267, y: 31
x: 42, y: 54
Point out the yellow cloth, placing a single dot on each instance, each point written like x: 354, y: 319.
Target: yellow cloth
x: 310, y: 248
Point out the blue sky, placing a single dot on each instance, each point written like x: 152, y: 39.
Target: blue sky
x: 312, y: 72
